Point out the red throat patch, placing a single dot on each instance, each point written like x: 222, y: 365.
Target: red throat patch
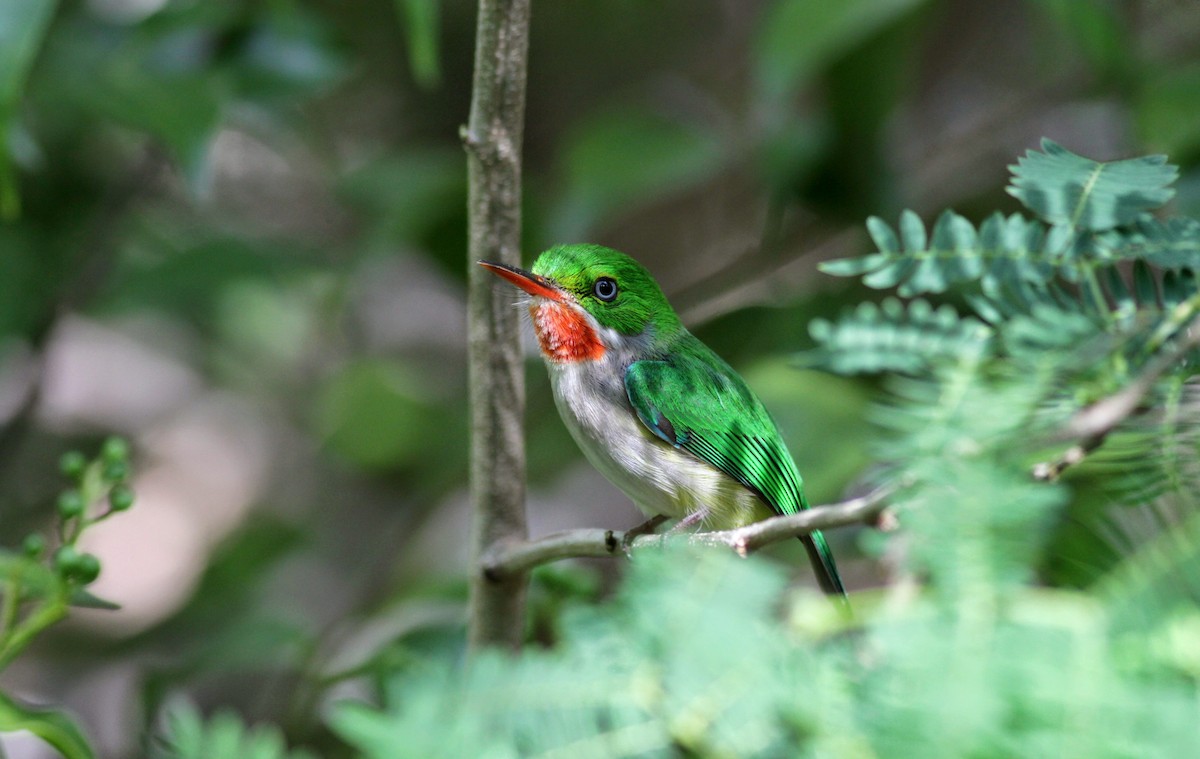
x: 564, y: 334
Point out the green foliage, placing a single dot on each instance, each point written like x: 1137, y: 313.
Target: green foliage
x: 52, y: 726
x: 22, y: 28
x: 799, y: 37
x: 1076, y: 307
x: 37, y: 587
x: 894, y: 337
x: 1066, y: 189
x: 966, y: 655
x: 1093, y: 223
x: 223, y: 736
x: 420, y: 20
x: 692, y: 658
x: 621, y: 157
x: 268, y: 199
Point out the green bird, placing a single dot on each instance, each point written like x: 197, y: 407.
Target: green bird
x: 661, y: 415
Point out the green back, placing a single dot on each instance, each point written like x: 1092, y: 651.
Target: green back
x: 693, y: 400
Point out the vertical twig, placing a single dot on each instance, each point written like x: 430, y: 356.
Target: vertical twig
x: 493, y: 142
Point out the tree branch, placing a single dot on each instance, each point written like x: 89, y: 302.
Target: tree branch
x: 1090, y: 426
x: 518, y: 557
x: 492, y: 139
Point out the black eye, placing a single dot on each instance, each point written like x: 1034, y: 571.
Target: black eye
x: 605, y: 289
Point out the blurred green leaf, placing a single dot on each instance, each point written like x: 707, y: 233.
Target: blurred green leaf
x: 286, y: 54
x: 198, y: 279
x: 1166, y: 111
x: 222, y: 736
x: 894, y: 337
x: 34, y: 579
x: 420, y: 21
x: 374, y: 414
x: 51, y: 725
x: 83, y: 599
x: 23, y: 25
x: 405, y: 196
x: 182, y: 111
x: 619, y: 159
x: 1096, y: 29
x: 796, y: 38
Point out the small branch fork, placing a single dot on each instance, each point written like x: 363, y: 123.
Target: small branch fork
x: 508, y: 559
x: 1090, y: 427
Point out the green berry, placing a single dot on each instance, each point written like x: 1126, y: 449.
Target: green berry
x: 116, y: 471
x: 87, y: 568
x: 72, y: 464
x: 120, y: 498
x: 115, y: 450
x: 34, y: 545
x: 66, y: 560
x: 70, y: 504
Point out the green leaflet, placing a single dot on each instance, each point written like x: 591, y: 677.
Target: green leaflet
x: 1003, y: 249
x: 893, y: 337
x: 1093, y: 215
x: 1067, y: 189
x: 223, y: 736
x: 421, y: 19
x: 23, y: 24
x: 52, y: 726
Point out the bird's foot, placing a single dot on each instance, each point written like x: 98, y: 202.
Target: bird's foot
x: 691, y: 520
x: 645, y: 528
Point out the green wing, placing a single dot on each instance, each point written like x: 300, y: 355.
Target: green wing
x: 695, y: 401
x: 699, y: 404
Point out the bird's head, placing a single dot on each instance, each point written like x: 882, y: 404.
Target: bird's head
x: 587, y: 299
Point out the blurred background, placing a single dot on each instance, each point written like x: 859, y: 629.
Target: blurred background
x: 234, y: 232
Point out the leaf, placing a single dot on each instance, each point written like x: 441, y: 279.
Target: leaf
x: 223, y: 736
x: 35, y: 579
x: 420, y: 22
x: 893, y: 338
x: 1169, y: 244
x: 51, y: 725
x: 375, y: 414
x: 83, y: 599
x: 405, y: 194
x: 1067, y: 189
x: 1003, y: 250
x: 1165, y: 111
x: 797, y: 38
x: 622, y: 158
x: 1096, y: 29
x: 23, y: 25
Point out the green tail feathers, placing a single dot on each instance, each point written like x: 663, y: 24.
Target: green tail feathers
x: 823, y: 564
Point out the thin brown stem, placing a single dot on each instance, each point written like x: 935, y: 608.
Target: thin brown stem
x: 492, y: 140
x: 1091, y: 426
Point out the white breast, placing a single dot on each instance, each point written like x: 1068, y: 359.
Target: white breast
x: 659, y: 478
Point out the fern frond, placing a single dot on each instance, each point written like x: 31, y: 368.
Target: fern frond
x: 223, y: 736
x: 893, y: 337
x: 1003, y: 250
x: 1069, y: 190
x: 1162, y: 579
x: 1167, y: 243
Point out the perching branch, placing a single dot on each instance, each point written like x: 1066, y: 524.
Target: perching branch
x: 1092, y: 425
x: 515, y: 558
x: 493, y: 142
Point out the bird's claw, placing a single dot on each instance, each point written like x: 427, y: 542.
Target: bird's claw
x: 645, y: 528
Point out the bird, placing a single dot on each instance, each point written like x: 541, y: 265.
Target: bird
x: 654, y: 409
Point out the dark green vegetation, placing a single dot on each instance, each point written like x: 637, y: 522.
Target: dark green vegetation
x: 233, y: 232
